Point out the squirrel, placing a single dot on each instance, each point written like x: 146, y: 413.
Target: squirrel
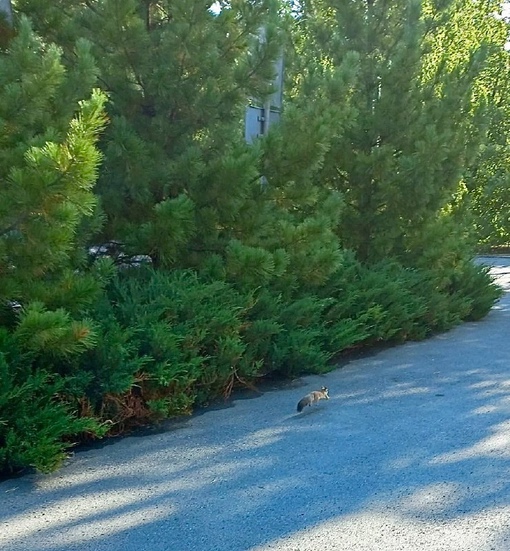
x: 313, y: 398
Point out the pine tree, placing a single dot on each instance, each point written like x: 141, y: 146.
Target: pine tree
x: 48, y: 162
x: 400, y: 166
x: 50, y: 120
x: 177, y: 176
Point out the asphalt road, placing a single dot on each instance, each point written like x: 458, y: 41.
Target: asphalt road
x: 412, y: 452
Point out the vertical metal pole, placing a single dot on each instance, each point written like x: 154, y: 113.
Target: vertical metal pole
x: 267, y: 116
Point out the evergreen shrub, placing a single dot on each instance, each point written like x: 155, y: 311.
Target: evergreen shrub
x: 38, y: 417
x: 160, y: 344
x: 168, y: 341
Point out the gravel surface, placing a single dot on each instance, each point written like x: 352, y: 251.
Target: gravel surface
x: 412, y: 452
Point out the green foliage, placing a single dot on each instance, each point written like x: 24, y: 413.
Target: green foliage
x: 473, y: 284
x: 53, y: 333
x: 421, y: 116
x: 286, y: 337
x: 171, y: 340
x: 489, y: 179
x: 299, y: 347
x: 48, y: 163
x: 474, y: 30
x: 37, y: 417
x: 179, y: 78
x: 48, y: 167
x: 349, y: 224
x: 382, y: 303
x: 34, y: 422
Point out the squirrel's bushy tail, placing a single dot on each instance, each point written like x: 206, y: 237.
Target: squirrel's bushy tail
x: 301, y: 405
